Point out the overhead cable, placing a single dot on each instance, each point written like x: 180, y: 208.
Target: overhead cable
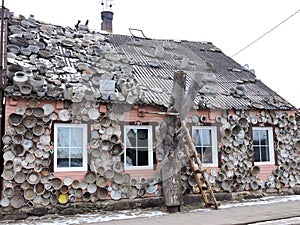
x: 260, y: 37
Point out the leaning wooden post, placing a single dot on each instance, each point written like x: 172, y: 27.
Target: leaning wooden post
x: 171, y: 177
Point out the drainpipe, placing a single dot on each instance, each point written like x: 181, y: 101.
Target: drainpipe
x: 1, y: 87
x: 1, y: 47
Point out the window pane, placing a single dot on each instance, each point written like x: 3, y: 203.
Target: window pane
x: 142, y: 157
x: 207, y: 155
x: 142, y: 135
x: 63, y: 137
x: 256, y: 154
x: 76, y: 135
x: 202, y: 137
x: 196, y: 137
x: 206, y: 137
x: 198, y: 149
x: 265, y: 154
x: 264, y: 137
x: 76, y: 157
x: 62, y: 157
x: 130, y: 157
x: 131, y: 138
x: 256, y: 137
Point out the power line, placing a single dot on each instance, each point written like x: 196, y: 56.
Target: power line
x: 260, y: 37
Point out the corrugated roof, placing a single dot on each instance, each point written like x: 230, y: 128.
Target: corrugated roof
x: 75, y: 61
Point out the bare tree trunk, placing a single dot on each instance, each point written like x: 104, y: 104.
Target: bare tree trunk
x: 171, y: 165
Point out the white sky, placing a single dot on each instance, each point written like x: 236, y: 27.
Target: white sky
x: 228, y: 24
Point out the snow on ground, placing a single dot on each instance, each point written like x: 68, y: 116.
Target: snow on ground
x: 127, y: 214
x: 295, y: 220
x: 88, y: 218
x: 263, y: 201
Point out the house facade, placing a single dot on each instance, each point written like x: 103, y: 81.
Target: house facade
x: 84, y: 118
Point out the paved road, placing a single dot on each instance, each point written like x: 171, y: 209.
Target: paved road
x: 233, y: 215
x: 246, y: 212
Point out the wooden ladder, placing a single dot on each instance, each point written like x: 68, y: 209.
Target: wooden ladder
x: 192, y: 155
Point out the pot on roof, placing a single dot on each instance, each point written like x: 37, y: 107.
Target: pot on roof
x: 19, y: 79
x: 15, y: 49
x: 25, y: 51
x: 25, y: 89
x: 19, y: 41
x: 37, y: 82
x: 12, y: 69
x: 42, y: 68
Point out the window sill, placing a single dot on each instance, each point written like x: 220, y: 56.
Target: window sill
x: 76, y: 175
x: 71, y: 170
x: 138, y: 168
x: 207, y: 165
x: 263, y: 163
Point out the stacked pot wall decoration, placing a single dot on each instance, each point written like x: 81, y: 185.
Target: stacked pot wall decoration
x: 237, y: 171
x: 28, y: 153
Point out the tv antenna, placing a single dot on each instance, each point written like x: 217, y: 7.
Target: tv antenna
x: 106, y: 4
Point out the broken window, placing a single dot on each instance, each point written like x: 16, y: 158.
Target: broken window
x: 205, y: 140
x: 70, y: 147
x: 138, y: 147
x: 263, y: 145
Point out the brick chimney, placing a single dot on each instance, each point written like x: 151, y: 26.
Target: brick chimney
x: 107, y: 17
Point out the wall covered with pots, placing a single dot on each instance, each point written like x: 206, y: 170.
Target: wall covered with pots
x: 29, y: 180
x: 237, y: 170
x: 28, y: 177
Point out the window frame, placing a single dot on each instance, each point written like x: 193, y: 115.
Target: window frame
x: 214, y: 145
x: 271, y: 145
x: 150, y: 146
x: 84, y: 150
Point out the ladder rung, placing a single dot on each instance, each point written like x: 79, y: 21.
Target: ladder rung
x: 200, y: 170
x: 210, y: 203
x: 197, y: 171
x: 192, y: 155
x: 208, y: 192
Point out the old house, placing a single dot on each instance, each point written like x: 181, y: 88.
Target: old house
x: 83, y: 117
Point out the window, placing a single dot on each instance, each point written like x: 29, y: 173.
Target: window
x: 263, y: 145
x: 70, y: 147
x: 205, y: 139
x: 138, y: 147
